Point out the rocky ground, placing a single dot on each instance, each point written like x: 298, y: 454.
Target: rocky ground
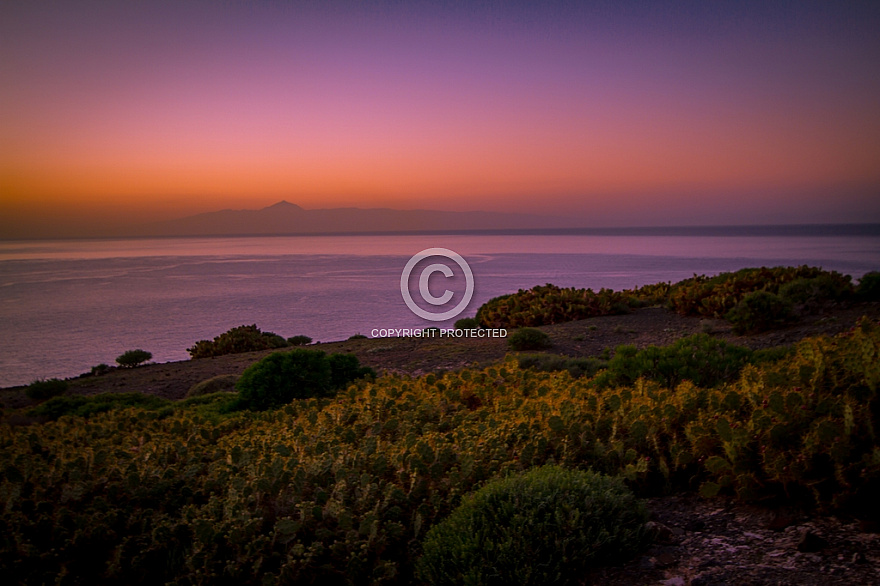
x: 700, y: 542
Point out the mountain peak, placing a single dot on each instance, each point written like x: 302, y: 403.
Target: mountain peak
x: 283, y: 205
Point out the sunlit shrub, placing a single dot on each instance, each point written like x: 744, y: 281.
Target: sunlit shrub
x: 545, y: 527
x: 235, y: 341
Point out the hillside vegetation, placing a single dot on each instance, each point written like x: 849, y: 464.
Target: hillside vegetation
x: 343, y: 490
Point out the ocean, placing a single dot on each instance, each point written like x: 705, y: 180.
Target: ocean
x: 66, y: 306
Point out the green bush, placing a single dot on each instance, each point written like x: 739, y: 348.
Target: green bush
x: 281, y: 377
x: 237, y: 340
x: 809, y: 295
x: 758, y: 312
x: 100, y: 369
x: 299, y: 340
x: 545, y: 527
x: 40, y: 390
x: 223, y: 383
x: 345, y: 368
x: 357, y: 337
x: 701, y: 359
x: 82, y: 406
x: 467, y: 323
x: 133, y: 358
x: 576, y: 367
x: 528, y: 339
x: 869, y: 287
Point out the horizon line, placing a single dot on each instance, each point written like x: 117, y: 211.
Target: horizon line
x: 721, y: 230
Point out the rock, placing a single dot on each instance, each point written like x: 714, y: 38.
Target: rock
x: 674, y: 581
x: 811, y: 543
x: 781, y: 520
x: 703, y: 580
x: 866, y: 526
x: 697, y: 525
x: 665, y: 559
x: 659, y: 532
x: 858, y: 558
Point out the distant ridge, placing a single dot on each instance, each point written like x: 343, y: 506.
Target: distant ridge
x: 285, y: 218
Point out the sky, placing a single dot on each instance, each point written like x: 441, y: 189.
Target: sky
x: 612, y: 113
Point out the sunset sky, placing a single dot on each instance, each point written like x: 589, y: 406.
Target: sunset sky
x: 617, y: 113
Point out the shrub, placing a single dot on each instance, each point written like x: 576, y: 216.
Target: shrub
x: 576, y: 367
x: 133, y: 358
x: 44, y: 389
x: 357, y: 337
x: 100, y: 369
x: 528, y: 339
x: 809, y: 295
x: 869, y: 287
x: 345, y: 368
x: 467, y: 323
x: 758, y: 312
x: 223, y: 383
x: 701, y: 359
x: 235, y: 341
x: 81, y: 406
x: 549, y: 304
x: 718, y: 295
x: 299, y: 340
x: 281, y: 377
x: 547, y: 526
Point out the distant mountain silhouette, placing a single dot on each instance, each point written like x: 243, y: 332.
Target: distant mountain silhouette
x: 287, y: 218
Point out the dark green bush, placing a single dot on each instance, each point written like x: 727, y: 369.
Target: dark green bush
x: 224, y: 383
x: 100, y: 369
x: 81, y: 406
x: 235, y: 341
x: 345, y: 368
x: 701, y: 359
x: 809, y: 295
x: 545, y: 527
x: 758, y: 312
x: 40, y: 390
x: 281, y: 377
x: 467, y: 323
x: 528, y: 339
x: 299, y: 340
x: 576, y: 367
x: 869, y: 287
x: 357, y: 337
x: 133, y: 358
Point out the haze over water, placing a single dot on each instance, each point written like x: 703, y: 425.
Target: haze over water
x: 68, y: 305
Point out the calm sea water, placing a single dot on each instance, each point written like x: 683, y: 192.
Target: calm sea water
x: 68, y: 305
